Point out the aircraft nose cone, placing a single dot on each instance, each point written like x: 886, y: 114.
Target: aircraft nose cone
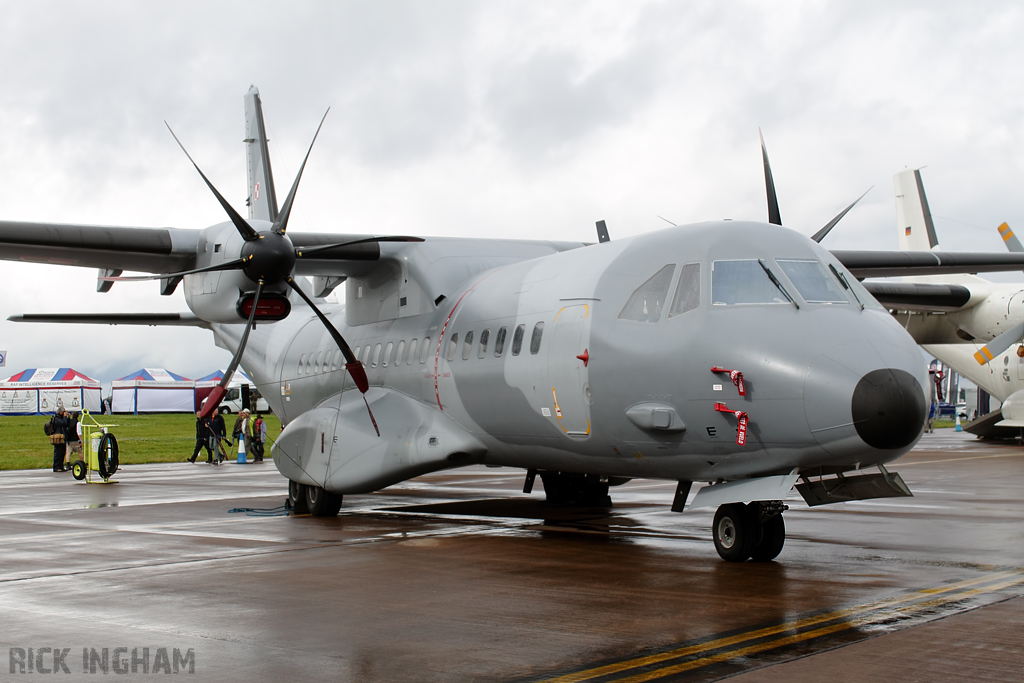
x: 888, y: 408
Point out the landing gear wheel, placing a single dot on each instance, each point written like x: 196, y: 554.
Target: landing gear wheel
x: 78, y: 470
x: 734, y: 531
x: 297, y: 497
x: 322, y: 503
x: 773, y: 537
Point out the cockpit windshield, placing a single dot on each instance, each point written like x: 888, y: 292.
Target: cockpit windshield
x: 743, y: 282
x: 813, y: 283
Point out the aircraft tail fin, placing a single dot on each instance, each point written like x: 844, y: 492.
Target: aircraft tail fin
x: 262, y: 200
x: 913, y: 217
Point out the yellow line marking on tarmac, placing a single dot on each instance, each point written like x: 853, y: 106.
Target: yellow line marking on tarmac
x: 979, y: 457
x: 959, y: 589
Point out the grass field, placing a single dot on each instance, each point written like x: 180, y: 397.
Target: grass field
x: 140, y: 438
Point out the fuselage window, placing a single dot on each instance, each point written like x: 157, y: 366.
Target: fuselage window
x: 399, y: 351
x: 387, y: 353
x: 309, y: 364
x: 813, y: 283
x: 453, y: 345
x: 743, y: 282
x: 484, y: 336
x: 425, y: 350
x: 687, y: 295
x: 302, y: 362
x: 538, y: 330
x: 376, y: 356
x: 366, y: 354
x: 517, y: 340
x: 337, y: 359
x: 467, y: 346
x: 499, y: 341
x: 647, y: 301
x: 355, y: 353
x: 318, y: 365
x: 412, y: 351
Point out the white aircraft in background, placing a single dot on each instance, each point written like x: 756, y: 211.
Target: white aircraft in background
x: 942, y: 312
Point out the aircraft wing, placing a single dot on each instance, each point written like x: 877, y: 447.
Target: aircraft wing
x: 151, y: 319
x: 864, y: 264
x: 155, y: 250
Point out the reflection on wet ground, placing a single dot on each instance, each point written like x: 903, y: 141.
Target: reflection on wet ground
x: 460, y: 576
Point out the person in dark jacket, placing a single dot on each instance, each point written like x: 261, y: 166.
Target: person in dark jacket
x: 73, y: 440
x: 58, y: 433
x: 219, y: 433
x: 204, y: 430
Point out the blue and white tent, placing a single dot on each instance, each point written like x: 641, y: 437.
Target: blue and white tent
x: 152, y: 390
x: 38, y: 391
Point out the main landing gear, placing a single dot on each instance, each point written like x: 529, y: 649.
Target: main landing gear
x: 753, y: 531
x: 306, y: 499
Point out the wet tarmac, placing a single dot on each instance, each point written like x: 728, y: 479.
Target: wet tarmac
x: 459, y: 576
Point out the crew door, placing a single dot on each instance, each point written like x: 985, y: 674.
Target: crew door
x: 568, y: 361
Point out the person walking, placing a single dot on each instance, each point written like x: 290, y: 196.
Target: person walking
x: 204, y: 430
x: 259, y: 437
x: 58, y: 431
x: 219, y: 435
x: 73, y: 438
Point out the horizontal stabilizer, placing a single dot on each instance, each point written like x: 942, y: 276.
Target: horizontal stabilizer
x: 153, y: 319
x: 861, y: 487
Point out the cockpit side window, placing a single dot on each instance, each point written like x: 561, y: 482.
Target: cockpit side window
x: 813, y: 283
x: 687, y: 295
x: 647, y: 301
x: 743, y: 282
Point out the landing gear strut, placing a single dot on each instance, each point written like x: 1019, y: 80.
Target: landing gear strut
x: 754, y: 531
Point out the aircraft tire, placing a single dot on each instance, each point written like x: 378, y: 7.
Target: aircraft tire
x: 78, y: 470
x: 297, y: 497
x: 773, y: 537
x: 735, y: 532
x: 322, y: 503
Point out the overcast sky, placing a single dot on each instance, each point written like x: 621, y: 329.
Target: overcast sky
x: 505, y: 119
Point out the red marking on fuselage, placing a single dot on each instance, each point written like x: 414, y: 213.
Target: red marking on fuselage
x: 440, y: 337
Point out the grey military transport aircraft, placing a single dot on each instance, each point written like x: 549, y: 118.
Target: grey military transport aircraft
x: 740, y: 354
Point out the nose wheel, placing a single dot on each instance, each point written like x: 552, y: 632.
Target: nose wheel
x: 755, y: 531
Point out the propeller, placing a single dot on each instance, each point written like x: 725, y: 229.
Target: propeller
x: 268, y: 258
x: 773, y: 200
x: 999, y: 344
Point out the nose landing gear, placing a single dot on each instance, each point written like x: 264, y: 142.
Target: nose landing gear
x: 753, y: 531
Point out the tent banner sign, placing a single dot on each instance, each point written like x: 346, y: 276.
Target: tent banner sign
x: 70, y: 398
x: 3, y: 359
x: 19, y: 400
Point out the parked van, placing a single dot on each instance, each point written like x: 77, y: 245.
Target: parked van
x: 232, y: 402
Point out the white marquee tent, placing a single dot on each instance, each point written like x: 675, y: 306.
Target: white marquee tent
x: 38, y: 391
x: 152, y: 390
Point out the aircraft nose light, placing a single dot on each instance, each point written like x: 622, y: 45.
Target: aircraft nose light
x: 888, y: 408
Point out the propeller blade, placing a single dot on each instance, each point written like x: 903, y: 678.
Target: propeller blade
x: 820, y: 235
x: 769, y: 183
x: 302, y: 253
x: 219, y: 391
x: 244, y: 229
x: 281, y: 224
x: 233, y: 264
x: 999, y: 344
x: 352, y: 364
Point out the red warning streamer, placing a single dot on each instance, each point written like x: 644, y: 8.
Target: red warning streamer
x: 741, y: 432
x: 736, y: 376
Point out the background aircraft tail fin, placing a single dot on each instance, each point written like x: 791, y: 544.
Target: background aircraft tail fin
x: 262, y: 200
x: 913, y: 217
x: 1009, y: 239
